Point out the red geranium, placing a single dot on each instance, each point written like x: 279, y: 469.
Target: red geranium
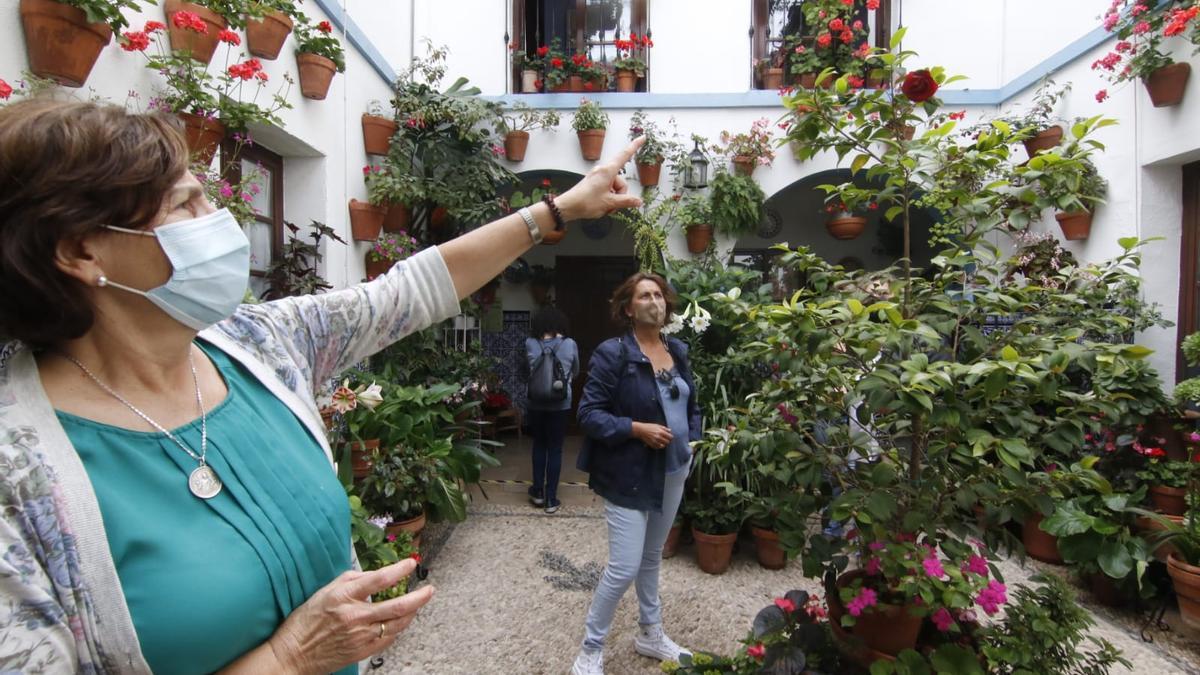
x: 135, y: 41
x: 824, y: 39
x: 872, y: 4
x: 189, y: 21
x: 556, y: 62
x: 229, y: 37
x: 325, y: 27
x: 757, y: 652
x: 543, y: 50
x: 6, y: 89
x: 153, y: 27
x: 919, y: 86
x: 836, y: 25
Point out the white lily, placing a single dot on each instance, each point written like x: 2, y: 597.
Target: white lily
x: 371, y: 396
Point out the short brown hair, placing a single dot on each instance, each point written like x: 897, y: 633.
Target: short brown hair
x: 66, y: 169
x: 624, y: 295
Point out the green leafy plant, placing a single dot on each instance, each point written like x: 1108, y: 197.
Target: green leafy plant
x: 737, y: 203
x: 756, y: 145
x: 1067, y: 180
x: 107, y: 11
x: 319, y: 39
x: 1040, y: 113
x: 376, y: 548
x: 393, y: 246
x: 658, y: 146
x: 648, y: 226
x: 523, y: 118
x: 589, y: 116
x: 695, y: 209
x: 554, y: 63
x: 295, y: 272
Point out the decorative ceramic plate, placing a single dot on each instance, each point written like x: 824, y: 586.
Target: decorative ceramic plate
x: 771, y: 225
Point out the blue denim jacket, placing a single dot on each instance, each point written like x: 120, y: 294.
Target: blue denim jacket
x: 620, y: 390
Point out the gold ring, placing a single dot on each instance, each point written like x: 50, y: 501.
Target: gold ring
x: 381, y: 623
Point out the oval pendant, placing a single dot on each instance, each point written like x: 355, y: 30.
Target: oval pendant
x: 203, y: 482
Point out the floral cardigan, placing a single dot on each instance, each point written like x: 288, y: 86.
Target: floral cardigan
x: 61, y: 604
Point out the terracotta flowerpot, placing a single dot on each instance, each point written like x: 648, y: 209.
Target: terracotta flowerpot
x: 699, y: 236
x: 766, y: 546
x: 772, y: 78
x: 809, y: 81
x: 1038, y: 544
x: 413, y: 526
x: 1187, y: 589
x: 671, y: 546
x: 743, y: 165
x: 515, y: 145
x: 200, y: 46
x: 60, y: 43
x: 529, y: 80
x: 360, y: 456
x: 1169, y: 500
x: 376, y: 267
x: 846, y: 226
x: 648, y: 174
x: 561, y: 87
x: 265, y: 37
x: 627, y: 81
x: 883, y: 629
x: 575, y: 82
x: 366, y: 220
x: 398, y: 218
x: 713, y: 551
x: 591, y: 143
x: 1151, y: 527
x: 203, y: 136
x: 316, y: 74
x: 1167, y: 85
x: 1105, y: 589
x: 377, y: 134
x: 1075, y: 225
x: 1044, y: 140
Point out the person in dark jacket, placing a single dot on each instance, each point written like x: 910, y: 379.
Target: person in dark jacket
x: 639, y: 413
x: 548, y: 418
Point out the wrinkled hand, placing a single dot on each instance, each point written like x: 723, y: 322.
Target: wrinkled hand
x: 603, y: 190
x: 653, y: 435
x: 337, y: 627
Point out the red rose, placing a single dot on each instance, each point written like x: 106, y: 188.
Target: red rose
x: 919, y: 86
x: 6, y: 89
x: 229, y: 37
x: 325, y: 27
x: 133, y: 41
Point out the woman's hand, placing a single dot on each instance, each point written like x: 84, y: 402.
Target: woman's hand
x: 603, y: 190
x: 337, y: 627
x: 653, y: 435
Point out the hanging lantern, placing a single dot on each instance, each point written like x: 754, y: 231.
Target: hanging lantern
x: 696, y: 176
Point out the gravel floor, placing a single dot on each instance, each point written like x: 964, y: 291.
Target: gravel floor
x: 514, y: 585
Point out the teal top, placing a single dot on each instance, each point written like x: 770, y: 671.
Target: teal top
x: 208, y: 580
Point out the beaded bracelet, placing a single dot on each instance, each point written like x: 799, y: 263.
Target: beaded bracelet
x: 559, y: 223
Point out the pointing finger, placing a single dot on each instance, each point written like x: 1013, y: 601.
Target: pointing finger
x: 627, y: 154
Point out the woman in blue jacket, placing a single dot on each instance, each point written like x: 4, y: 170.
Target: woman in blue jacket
x: 639, y: 413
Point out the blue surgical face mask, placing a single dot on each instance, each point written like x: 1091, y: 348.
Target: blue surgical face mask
x: 210, y: 260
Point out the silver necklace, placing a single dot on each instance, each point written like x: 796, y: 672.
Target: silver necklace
x: 202, y: 481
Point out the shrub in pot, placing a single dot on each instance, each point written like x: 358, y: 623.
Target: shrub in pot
x: 1067, y: 181
x: 696, y: 216
x: 737, y: 203
x: 1037, y: 126
x: 319, y: 55
x: 590, y: 123
x: 658, y: 146
x: 1143, y: 55
x: 516, y: 124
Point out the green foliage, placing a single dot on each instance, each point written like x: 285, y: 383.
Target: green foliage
x: 376, y: 548
x: 107, y: 11
x: 1187, y: 393
x: 648, y: 226
x: 1096, y: 531
x: 737, y: 203
x: 523, y: 118
x: 659, y: 145
x: 318, y: 39
x: 1040, y: 114
x: 295, y: 272
x: 589, y: 116
x: 695, y: 209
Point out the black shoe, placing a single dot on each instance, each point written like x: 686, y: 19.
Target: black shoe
x: 536, y: 499
x: 552, y: 507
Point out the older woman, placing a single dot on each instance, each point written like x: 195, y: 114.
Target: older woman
x: 639, y: 412
x: 168, y: 499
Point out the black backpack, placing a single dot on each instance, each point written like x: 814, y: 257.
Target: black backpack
x: 547, y: 379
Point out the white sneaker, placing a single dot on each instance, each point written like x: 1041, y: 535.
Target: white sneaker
x: 653, y: 642
x: 589, y: 662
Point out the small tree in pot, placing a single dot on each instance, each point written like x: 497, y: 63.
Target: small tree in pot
x: 516, y: 124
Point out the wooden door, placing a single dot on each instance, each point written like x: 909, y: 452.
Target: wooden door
x: 1188, y: 320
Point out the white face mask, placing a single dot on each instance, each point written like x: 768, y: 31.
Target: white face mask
x: 210, y: 260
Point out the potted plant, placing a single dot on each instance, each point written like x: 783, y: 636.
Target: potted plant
x: 695, y: 214
x: 530, y: 67
x: 1139, y: 53
x: 516, y: 124
x: 1183, y: 560
x: 395, y: 486
x: 716, y: 519
x: 296, y: 270
x: 389, y: 249
x: 377, y: 129
x: 366, y: 220
x: 357, y: 406
x: 630, y: 63
x: 772, y: 70
x: 268, y: 25
x: 590, y: 123
x: 576, y: 67
x: 376, y: 548
x: 319, y: 55
x: 749, y: 150
x: 595, y: 76
x: 195, y: 28
x: 846, y: 220
x: 1168, y: 481
x: 557, y: 77
x: 63, y: 39
x: 1039, y: 118
x: 805, y: 61
x: 650, y: 157
x: 394, y: 191
x: 737, y: 203
x: 1069, y: 183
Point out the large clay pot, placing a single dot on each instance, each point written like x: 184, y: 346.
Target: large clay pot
x: 199, y: 45
x: 377, y: 134
x: 265, y: 37
x: 671, y: 546
x: 766, y: 546
x: 743, y: 165
x: 1038, y: 544
x: 1044, y: 140
x: 699, y: 236
x: 413, y: 526
x: 1169, y: 500
x: 885, y: 630
x: 360, y: 456
x: 1075, y: 225
x: 1151, y: 527
x: 515, y: 145
x: 376, y: 267
x: 772, y: 78
x: 809, y: 81
x: 1167, y: 85
x: 398, y: 218
x: 649, y: 174
x: 846, y: 226
x: 1187, y: 589
x: 366, y: 220
x: 626, y: 81
x: 316, y: 74
x: 713, y: 551
x: 203, y: 136
x: 60, y: 43
x: 1105, y: 589
x: 591, y: 143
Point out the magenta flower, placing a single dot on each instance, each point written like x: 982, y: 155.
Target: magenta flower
x: 873, y: 566
x: 933, y: 567
x: 877, y: 546
x: 942, y: 619
x: 865, y: 599
x: 977, y: 565
x: 990, y: 598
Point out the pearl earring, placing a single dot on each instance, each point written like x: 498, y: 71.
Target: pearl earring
x: 102, y: 281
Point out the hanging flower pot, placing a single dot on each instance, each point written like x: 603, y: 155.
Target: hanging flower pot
x: 713, y: 551
x: 413, y: 526
x: 1075, y: 225
x: 398, y: 218
x: 360, y: 456
x: 846, y: 226
x: 649, y: 174
x: 766, y: 547
x: 203, y: 135
x: 316, y: 74
x: 60, y: 43
x: 515, y: 145
x: 200, y: 44
x: 591, y: 143
x: 1044, y: 140
x: 376, y: 266
x: 529, y: 81
x: 743, y: 165
x: 671, y: 546
x: 1187, y: 589
x: 772, y: 78
x: 627, y: 81
x: 377, y: 133
x: 1169, y: 500
x: 1040, y: 545
x: 265, y: 36
x: 1167, y: 85
x: 699, y: 236
x: 366, y: 220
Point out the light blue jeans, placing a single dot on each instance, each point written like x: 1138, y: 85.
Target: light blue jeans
x: 635, y: 543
